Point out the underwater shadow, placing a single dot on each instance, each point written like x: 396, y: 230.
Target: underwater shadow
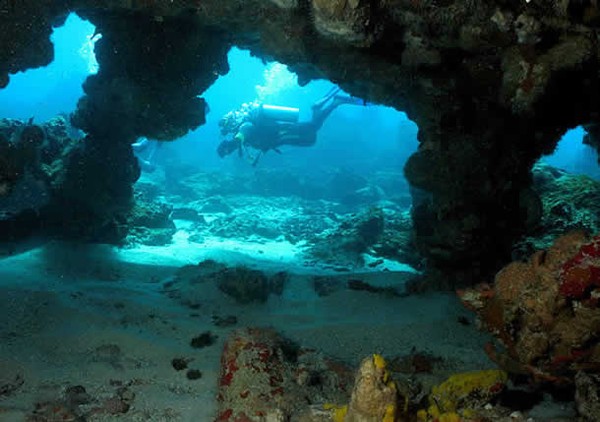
x: 76, y: 262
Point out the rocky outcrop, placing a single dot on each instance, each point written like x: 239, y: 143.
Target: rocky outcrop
x: 491, y: 84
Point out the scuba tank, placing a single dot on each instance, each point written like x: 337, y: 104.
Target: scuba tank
x: 278, y: 113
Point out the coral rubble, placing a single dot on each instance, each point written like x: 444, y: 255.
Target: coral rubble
x: 266, y: 377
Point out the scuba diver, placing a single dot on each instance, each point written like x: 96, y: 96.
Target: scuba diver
x: 149, y: 148
x: 265, y: 127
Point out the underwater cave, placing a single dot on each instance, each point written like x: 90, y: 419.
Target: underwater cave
x: 312, y: 211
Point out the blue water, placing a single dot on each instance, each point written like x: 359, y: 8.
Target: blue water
x: 574, y: 156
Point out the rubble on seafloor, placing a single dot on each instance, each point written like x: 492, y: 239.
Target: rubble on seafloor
x: 330, y: 234
x: 266, y: 377
x: 191, y: 283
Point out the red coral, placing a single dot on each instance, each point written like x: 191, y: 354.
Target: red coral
x: 582, y: 271
x: 225, y: 415
x: 560, y: 361
x: 228, y: 366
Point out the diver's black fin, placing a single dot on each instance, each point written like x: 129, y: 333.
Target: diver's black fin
x: 347, y: 99
x: 332, y: 93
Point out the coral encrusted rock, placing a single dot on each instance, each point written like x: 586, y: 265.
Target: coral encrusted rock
x: 266, y: 377
x: 374, y: 397
x: 546, y: 311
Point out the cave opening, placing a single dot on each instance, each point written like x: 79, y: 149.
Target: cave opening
x: 296, y: 197
x: 290, y: 195
x: 573, y: 155
x: 566, y: 183
x: 44, y: 93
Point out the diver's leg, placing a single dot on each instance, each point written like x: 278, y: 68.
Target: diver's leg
x: 320, y: 115
x: 348, y: 99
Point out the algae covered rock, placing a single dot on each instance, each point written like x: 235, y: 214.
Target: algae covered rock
x: 246, y: 285
x: 243, y: 284
x: 463, y: 394
x: 587, y: 395
x: 150, y: 223
x: 374, y: 396
x: 350, y: 21
x: 396, y: 240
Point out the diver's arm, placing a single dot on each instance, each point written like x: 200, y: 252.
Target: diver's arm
x: 247, y: 139
x: 140, y: 145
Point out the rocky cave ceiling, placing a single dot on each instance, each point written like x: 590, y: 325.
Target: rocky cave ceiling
x: 492, y: 85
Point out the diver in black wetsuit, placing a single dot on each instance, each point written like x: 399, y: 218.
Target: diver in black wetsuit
x: 264, y: 127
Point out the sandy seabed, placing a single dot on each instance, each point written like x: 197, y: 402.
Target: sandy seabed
x: 97, y: 316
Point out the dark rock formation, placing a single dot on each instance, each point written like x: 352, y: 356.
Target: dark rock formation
x: 72, y: 188
x: 491, y: 84
x: 592, y: 137
x: 151, y: 73
x: 25, y: 39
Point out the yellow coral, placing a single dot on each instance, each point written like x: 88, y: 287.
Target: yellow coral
x: 433, y: 411
x: 379, y: 361
x: 380, y: 364
x: 447, y: 399
x: 390, y: 413
x: 448, y: 395
x: 449, y: 417
x: 338, y: 413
